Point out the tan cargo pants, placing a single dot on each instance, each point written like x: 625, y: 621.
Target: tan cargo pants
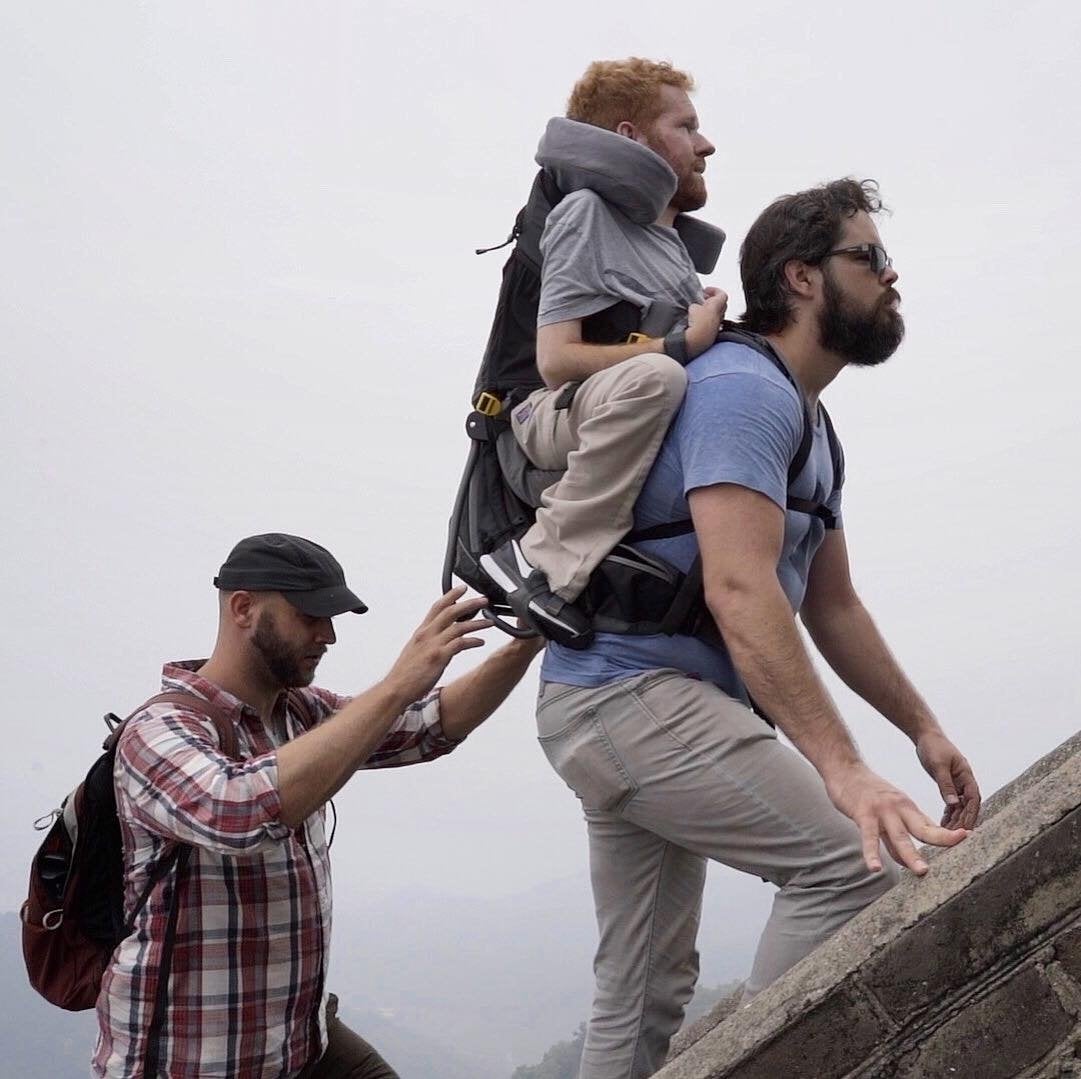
x: 607, y: 440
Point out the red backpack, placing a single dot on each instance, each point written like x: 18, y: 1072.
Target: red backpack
x: 73, y: 917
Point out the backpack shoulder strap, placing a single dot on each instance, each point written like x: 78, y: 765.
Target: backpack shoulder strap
x: 223, y: 725
x: 803, y: 451
x: 836, y: 454
x: 837, y: 458
x: 668, y: 529
x: 230, y: 748
x: 764, y: 348
x: 151, y: 1058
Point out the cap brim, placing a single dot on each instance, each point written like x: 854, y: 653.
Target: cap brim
x: 326, y: 602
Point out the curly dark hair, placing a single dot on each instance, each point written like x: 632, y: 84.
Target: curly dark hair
x: 804, y: 226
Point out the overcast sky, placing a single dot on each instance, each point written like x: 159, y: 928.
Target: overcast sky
x: 240, y: 295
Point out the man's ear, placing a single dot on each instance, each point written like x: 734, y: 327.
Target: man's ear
x: 242, y: 609
x: 803, y: 278
x: 628, y: 130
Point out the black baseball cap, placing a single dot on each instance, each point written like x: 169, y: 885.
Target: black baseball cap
x: 308, y: 575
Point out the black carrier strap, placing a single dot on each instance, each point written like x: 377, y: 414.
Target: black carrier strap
x: 686, y: 611
x: 566, y: 396
x: 805, y: 505
x: 803, y: 451
x: 687, y: 603
x: 661, y: 531
x: 631, y: 592
x: 161, y: 997
x: 799, y: 460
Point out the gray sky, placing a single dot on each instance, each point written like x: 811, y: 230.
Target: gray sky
x: 240, y: 295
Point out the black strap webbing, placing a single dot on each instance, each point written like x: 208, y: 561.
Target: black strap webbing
x: 669, y: 529
x: 566, y: 396
x: 812, y: 509
x: 803, y: 451
x: 157, y: 873
x: 836, y: 457
x: 161, y: 997
x: 661, y: 531
x: 686, y: 604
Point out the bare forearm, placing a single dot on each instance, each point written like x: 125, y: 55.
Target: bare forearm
x: 575, y: 361
x: 761, y: 635
x: 469, y: 700
x: 314, y: 767
x: 851, y: 644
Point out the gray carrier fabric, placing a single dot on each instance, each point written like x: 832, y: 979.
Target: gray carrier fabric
x: 628, y: 175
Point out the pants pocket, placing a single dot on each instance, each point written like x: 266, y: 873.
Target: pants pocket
x: 584, y: 757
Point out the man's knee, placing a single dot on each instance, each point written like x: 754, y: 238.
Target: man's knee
x: 658, y: 376
x: 845, y: 884
x: 348, y: 1055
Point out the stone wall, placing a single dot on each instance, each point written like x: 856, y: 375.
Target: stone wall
x: 973, y: 972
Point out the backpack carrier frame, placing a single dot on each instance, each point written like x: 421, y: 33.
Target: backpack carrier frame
x: 630, y: 592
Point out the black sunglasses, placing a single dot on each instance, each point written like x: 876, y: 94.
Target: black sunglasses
x: 873, y: 254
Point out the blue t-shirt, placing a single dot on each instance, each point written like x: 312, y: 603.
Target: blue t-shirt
x: 741, y: 422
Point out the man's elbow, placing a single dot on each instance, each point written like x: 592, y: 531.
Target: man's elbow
x: 551, y: 367
x: 820, y: 611
x: 730, y: 600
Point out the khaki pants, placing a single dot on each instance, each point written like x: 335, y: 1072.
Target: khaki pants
x: 348, y: 1055
x: 607, y: 440
x: 672, y: 772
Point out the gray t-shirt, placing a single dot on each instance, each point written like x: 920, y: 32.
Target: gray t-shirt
x: 595, y: 256
x: 741, y: 422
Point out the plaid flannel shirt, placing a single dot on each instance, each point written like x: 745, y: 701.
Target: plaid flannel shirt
x: 246, y: 989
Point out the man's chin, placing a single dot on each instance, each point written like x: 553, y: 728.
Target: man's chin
x: 301, y: 678
x: 690, y: 196
x: 881, y: 350
x: 688, y: 202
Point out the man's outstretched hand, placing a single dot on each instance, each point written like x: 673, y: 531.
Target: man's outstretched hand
x: 444, y: 633
x: 887, y: 815
x: 945, y: 764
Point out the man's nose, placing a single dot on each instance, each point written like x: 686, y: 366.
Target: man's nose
x: 889, y: 276
x: 704, y: 147
x: 325, y: 631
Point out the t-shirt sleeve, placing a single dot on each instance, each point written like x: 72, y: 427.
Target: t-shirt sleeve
x: 742, y: 428
x: 572, y: 273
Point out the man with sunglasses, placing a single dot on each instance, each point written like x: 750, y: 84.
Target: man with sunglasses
x: 657, y: 736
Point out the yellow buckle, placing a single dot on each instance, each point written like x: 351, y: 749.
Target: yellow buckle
x: 487, y: 404
x: 636, y: 338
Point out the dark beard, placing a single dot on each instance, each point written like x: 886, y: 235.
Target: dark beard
x: 282, y: 662
x: 863, y: 338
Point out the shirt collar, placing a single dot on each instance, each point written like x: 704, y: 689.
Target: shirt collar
x: 182, y: 674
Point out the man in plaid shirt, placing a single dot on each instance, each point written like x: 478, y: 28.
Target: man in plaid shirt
x: 244, y: 994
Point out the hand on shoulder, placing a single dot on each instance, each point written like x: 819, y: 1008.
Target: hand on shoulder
x: 704, y: 321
